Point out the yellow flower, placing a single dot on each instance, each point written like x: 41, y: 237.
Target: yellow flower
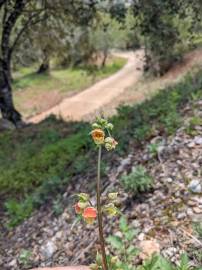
x: 98, y: 136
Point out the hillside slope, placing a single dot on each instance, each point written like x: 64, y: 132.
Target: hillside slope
x: 170, y: 121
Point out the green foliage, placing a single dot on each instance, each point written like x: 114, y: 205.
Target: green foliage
x: 193, y: 122
x: 159, y: 112
x: 18, y: 211
x: 122, y: 245
x: 197, y: 226
x: 41, y: 159
x: 71, y: 79
x: 80, y: 164
x: 125, y: 253
x: 49, y: 162
x: 113, y: 34
x: 157, y: 262
x: 137, y: 181
x: 25, y: 257
x: 166, y: 36
x: 153, y: 149
x: 171, y: 122
x: 57, y: 206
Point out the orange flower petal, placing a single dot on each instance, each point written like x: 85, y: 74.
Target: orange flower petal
x: 90, y: 212
x: 78, y: 209
x: 98, y: 135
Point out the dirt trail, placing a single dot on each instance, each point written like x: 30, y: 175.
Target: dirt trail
x: 101, y: 93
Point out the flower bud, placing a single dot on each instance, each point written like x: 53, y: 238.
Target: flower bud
x: 114, y: 259
x: 113, y: 195
x: 110, y: 209
x: 93, y: 266
x: 83, y: 205
x: 110, y: 143
x: 102, y: 121
x: 95, y: 125
x: 83, y: 197
x: 110, y: 126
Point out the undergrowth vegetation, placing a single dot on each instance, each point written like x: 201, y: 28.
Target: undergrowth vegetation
x: 137, y: 181
x: 37, y: 162
x: 127, y: 253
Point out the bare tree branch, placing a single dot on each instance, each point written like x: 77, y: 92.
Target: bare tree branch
x: 2, y: 2
x: 9, y: 24
x: 29, y: 23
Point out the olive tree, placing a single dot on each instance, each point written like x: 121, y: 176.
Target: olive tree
x: 17, y: 17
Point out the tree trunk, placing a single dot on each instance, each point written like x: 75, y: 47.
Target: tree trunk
x: 44, y: 68
x: 7, y: 108
x: 104, y: 58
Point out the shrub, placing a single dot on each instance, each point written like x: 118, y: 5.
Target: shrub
x: 18, y: 211
x: 137, y: 181
x: 49, y: 162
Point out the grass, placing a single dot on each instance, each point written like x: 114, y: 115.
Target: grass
x: 41, y: 159
x: 69, y: 79
x: 31, y: 89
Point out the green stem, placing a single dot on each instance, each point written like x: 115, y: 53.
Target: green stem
x: 99, y: 210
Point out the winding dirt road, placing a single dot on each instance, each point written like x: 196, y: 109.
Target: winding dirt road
x: 101, y: 93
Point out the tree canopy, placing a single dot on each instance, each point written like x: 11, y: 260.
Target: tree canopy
x: 74, y: 31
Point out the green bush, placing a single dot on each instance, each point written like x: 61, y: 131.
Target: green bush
x: 137, y: 181
x: 18, y: 211
x: 50, y: 161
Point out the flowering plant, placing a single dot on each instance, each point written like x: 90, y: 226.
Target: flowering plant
x: 101, y: 135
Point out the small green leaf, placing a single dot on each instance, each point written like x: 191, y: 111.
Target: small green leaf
x: 164, y: 264
x: 123, y: 224
x: 132, y: 251
x: 115, y: 241
x: 130, y: 234
x: 184, y: 262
